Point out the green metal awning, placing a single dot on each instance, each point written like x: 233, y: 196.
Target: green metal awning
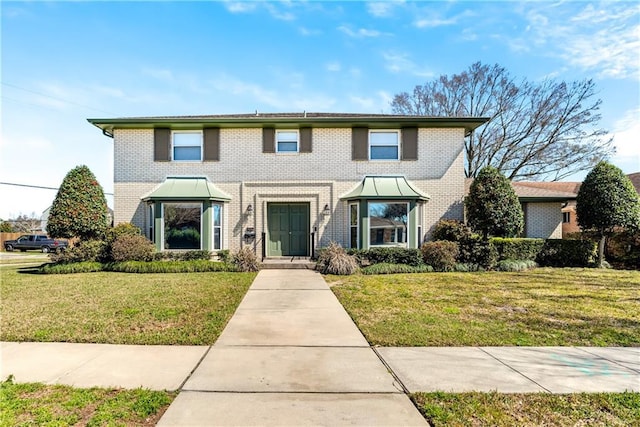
x: 386, y: 188
x: 187, y: 188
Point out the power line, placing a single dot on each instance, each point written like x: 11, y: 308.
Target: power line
x: 39, y: 186
x: 56, y: 98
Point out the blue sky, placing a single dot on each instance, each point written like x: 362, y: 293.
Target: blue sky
x: 63, y: 62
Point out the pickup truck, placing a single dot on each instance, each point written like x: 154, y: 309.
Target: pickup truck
x: 36, y: 242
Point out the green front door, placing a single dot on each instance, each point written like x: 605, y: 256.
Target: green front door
x: 288, y: 225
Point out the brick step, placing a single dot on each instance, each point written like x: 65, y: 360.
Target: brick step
x: 300, y: 263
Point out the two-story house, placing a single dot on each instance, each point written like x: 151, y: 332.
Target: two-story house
x: 289, y: 183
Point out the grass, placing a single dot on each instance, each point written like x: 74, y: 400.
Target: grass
x: 56, y: 405
x: 541, y: 307
x: 119, y: 308
x: 506, y: 410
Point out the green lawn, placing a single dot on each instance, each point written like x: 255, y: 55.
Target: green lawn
x: 119, y: 308
x: 541, y: 307
x: 540, y: 409
x: 57, y: 405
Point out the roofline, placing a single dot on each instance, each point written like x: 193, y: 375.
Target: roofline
x: 546, y: 199
x: 374, y: 121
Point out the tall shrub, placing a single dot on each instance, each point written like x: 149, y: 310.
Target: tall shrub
x: 80, y: 208
x: 607, y: 200
x: 492, y: 205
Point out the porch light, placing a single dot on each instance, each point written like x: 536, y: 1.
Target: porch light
x: 326, y: 210
x: 249, y: 209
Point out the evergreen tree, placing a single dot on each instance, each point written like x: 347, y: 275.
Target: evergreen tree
x: 80, y: 208
x: 607, y: 200
x: 493, y: 208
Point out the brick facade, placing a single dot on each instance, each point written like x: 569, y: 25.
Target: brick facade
x: 319, y: 178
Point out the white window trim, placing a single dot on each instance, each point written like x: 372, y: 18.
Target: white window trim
x: 163, y: 227
x: 214, y: 226
x: 399, y: 139
x: 357, y: 226
x: 297, y: 132
x: 173, y: 147
x: 399, y: 245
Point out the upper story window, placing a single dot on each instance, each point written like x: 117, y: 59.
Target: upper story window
x: 187, y: 146
x: 287, y: 141
x: 384, y: 145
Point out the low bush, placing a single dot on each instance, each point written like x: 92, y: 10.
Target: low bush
x: 515, y: 248
x: 567, y: 253
x: 193, y: 266
x: 441, y: 254
x: 182, y: 255
x: 334, y: 260
x: 76, y: 267
x: 386, y: 268
x: 83, y: 251
x: 461, y: 267
x: 477, y: 251
x: 132, y: 247
x: 451, y: 230
x: 623, y: 250
x: 122, y: 229
x: 387, y: 255
x: 515, y: 265
x: 245, y: 260
x: 224, y: 255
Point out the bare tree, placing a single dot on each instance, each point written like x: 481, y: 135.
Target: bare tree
x: 546, y: 130
x: 26, y: 223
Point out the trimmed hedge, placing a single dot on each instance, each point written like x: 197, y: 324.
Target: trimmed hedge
x: 76, y: 267
x: 517, y: 248
x: 386, y: 268
x: 567, y: 253
x: 195, y: 266
x: 478, y: 253
x: 394, y: 255
x: 515, y: 265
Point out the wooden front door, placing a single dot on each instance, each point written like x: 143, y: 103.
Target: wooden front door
x: 288, y: 227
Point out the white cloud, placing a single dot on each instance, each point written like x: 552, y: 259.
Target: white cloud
x: 603, y: 38
x: 309, y: 32
x: 625, y: 140
x: 383, y: 9
x: 240, y: 6
x: 360, y: 33
x: 333, y: 66
x: 435, y: 19
x: 293, y: 96
x: 401, y: 63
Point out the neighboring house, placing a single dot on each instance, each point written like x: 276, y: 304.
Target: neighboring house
x: 549, y: 208
x: 563, y: 192
x: 543, y: 205
x: 287, y: 184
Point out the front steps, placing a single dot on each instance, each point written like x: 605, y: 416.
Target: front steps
x: 287, y: 263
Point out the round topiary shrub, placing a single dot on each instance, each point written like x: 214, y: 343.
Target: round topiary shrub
x: 441, y: 255
x: 132, y: 247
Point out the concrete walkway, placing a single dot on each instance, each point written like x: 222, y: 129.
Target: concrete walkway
x: 291, y: 355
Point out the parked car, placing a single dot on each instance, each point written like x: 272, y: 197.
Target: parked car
x: 40, y: 242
